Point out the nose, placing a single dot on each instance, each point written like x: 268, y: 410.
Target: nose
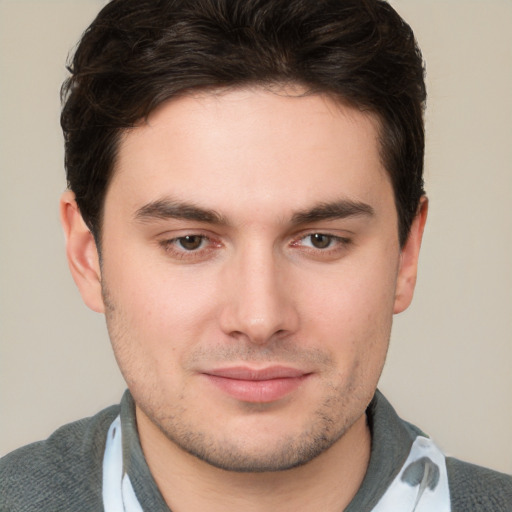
x: 259, y: 305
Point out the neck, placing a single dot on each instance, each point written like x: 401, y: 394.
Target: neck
x: 327, y: 483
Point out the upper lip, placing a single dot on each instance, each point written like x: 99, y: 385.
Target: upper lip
x: 255, y: 374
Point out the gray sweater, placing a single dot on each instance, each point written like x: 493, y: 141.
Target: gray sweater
x: 64, y: 473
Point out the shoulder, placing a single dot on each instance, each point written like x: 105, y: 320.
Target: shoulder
x: 61, y: 473
x: 474, y: 488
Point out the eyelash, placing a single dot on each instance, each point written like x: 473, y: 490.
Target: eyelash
x: 336, y: 244
x: 171, y: 247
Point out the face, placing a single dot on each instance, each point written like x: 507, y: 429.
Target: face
x: 250, y: 271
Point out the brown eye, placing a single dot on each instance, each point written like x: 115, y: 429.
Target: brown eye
x: 320, y: 241
x: 191, y: 242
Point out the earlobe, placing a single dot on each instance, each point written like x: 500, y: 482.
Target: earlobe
x: 81, y: 252
x: 406, y: 280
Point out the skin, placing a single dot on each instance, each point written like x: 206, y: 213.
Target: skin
x: 268, y: 277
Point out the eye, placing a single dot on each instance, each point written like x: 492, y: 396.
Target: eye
x: 191, y: 242
x: 190, y: 248
x: 322, y: 246
x: 319, y: 240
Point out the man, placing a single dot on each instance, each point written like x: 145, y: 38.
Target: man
x: 246, y: 207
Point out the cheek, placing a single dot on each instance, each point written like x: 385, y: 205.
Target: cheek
x: 158, y: 294
x: 156, y: 316
x: 351, y: 309
x: 360, y: 293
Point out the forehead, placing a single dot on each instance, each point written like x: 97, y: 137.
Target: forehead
x: 252, y: 147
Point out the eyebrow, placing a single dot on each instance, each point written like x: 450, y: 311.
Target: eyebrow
x: 333, y: 210
x: 167, y: 208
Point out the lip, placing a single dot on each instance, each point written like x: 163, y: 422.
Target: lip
x: 257, y: 385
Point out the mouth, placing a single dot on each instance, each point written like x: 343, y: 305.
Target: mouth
x: 263, y: 385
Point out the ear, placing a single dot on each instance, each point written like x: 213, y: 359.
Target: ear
x: 407, y: 272
x: 81, y: 252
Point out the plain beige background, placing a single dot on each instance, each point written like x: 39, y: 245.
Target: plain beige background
x: 449, y: 367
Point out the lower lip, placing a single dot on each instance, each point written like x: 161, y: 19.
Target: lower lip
x: 257, y: 391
